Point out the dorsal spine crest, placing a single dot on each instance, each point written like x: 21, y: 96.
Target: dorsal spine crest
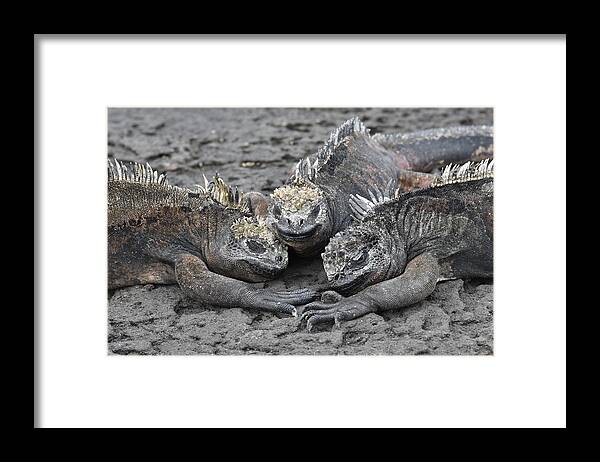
x: 134, y: 172
x: 307, y: 171
x: 225, y: 195
x: 216, y: 189
x: 361, y: 207
x: 461, y: 173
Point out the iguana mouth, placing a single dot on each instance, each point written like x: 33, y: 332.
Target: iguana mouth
x: 261, y: 271
x: 287, y: 235
x: 271, y: 264
x: 344, y: 286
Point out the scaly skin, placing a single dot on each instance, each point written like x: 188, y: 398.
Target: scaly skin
x: 399, y: 251
x: 206, y: 240
x: 314, y: 204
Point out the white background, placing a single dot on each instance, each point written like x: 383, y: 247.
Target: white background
x: 522, y: 384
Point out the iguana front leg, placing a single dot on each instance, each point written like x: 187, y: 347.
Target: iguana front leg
x: 201, y: 284
x: 416, y: 283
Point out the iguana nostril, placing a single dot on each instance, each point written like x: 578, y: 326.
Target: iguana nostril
x: 278, y: 258
x: 256, y: 247
x: 301, y: 222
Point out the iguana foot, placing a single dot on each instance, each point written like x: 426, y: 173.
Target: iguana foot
x: 297, y: 296
x: 282, y: 301
x: 264, y: 299
x: 344, y: 309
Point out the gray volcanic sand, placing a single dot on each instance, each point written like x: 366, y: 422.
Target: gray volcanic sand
x: 256, y: 149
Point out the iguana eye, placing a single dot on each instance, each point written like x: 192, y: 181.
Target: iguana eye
x: 255, y: 247
x: 315, y: 212
x: 358, y: 259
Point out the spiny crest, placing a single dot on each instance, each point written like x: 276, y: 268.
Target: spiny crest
x: 469, y: 171
x: 253, y: 227
x: 134, y: 172
x: 296, y: 197
x: 360, y: 206
x: 453, y: 173
x: 217, y: 189
x: 307, y: 171
x: 224, y: 194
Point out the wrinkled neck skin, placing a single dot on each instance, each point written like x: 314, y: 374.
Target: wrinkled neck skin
x: 339, y: 212
x: 395, y: 249
x: 398, y: 256
x: 212, y: 229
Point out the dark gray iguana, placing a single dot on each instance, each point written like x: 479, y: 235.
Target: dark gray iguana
x: 208, y: 240
x: 314, y: 203
x: 400, y: 248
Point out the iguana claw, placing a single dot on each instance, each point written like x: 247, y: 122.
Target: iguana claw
x: 344, y: 310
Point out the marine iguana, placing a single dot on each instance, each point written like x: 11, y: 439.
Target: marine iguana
x: 208, y: 240
x: 313, y: 205
x: 400, y: 247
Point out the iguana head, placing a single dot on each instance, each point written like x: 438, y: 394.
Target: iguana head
x: 356, y: 258
x: 300, y: 217
x: 244, y: 246
x: 252, y: 251
x: 299, y: 213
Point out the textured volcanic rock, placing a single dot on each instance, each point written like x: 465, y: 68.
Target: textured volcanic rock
x: 256, y: 149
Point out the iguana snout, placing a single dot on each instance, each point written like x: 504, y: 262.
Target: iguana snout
x: 305, y: 235
x: 260, y: 270
x: 295, y: 230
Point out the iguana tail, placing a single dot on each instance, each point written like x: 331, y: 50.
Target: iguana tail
x: 428, y: 150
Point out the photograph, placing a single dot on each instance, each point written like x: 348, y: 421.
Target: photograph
x: 300, y: 231
x: 247, y: 231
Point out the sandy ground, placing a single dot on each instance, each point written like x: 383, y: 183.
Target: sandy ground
x: 256, y: 149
